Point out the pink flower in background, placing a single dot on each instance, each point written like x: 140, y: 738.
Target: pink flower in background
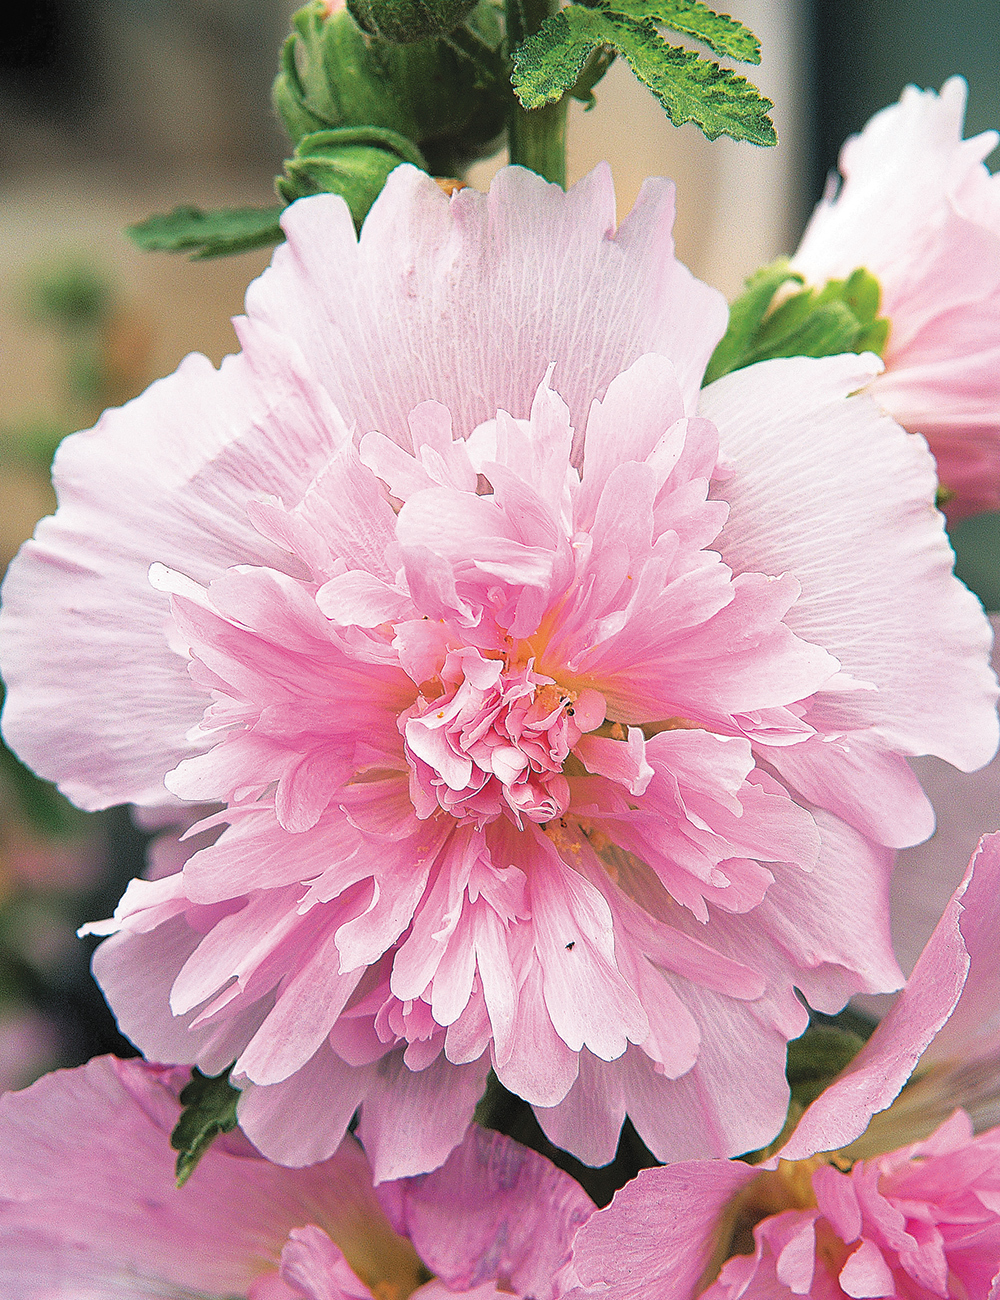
x: 919, y: 1221
x: 89, y: 1209
x: 560, y: 711
x: 919, y: 210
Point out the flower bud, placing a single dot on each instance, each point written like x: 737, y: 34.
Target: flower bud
x: 353, y: 162
x: 405, y: 21
x: 451, y: 103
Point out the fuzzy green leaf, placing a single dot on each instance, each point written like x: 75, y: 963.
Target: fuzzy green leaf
x: 209, y: 1103
x: 690, y: 88
x: 722, y: 34
x: 208, y: 234
x: 800, y: 328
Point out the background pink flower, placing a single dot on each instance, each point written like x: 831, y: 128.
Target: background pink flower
x: 919, y: 210
x: 89, y: 1209
x: 919, y: 1221
x: 560, y: 711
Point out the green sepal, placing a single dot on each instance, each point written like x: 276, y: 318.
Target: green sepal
x: 404, y: 21
x: 209, y: 1103
x: 208, y: 234
x: 815, y: 1059
x: 449, y: 96
x: 690, y: 88
x: 722, y: 34
x: 842, y: 316
x: 353, y: 162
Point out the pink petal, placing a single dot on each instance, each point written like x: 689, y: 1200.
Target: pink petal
x: 905, y: 625
x: 316, y: 1269
x: 884, y: 1064
x: 518, y: 1215
x: 304, y: 1118
x: 410, y: 1121
x: 142, y: 467
x: 91, y: 1207
x: 866, y: 1273
x: 655, y: 1238
x: 609, y: 297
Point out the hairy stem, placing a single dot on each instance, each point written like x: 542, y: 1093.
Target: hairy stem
x: 537, y: 137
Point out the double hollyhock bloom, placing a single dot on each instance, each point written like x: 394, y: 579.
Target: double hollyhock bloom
x: 917, y: 1222
x: 919, y: 210
x: 89, y: 1209
x: 559, y: 711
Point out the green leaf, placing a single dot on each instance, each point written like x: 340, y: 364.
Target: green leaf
x: 208, y: 234
x: 594, y: 68
x: 745, y: 318
x: 722, y: 34
x: 802, y: 328
x: 815, y: 1059
x: 209, y: 1103
x: 842, y: 316
x: 690, y: 88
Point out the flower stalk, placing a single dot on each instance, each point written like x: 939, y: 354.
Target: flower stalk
x: 537, y: 136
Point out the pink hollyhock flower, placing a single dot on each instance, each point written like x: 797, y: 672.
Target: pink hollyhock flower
x: 919, y: 210
x: 553, y: 738
x: 917, y: 1222
x: 89, y: 1209
x: 920, y: 1222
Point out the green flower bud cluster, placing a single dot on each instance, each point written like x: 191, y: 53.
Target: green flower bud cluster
x: 449, y: 96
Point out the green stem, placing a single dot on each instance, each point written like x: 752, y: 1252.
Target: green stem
x: 537, y: 137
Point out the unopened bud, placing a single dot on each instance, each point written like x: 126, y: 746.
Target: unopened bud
x: 452, y: 104
x: 405, y: 21
x: 353, y: 162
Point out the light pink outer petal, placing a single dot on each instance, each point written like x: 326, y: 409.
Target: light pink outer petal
x: 656, y: 1236
x: 152, y: 482
x: 973, y: 1028
x: 411, y: 1120
x: 880, y: 1069
x: 518, y: 1215
x: 304, y: 1118
x: 873, y: 559
x: 136, y: 972
x: 909, y: 156
x: 966, y: 806
x: 467, y: 301
x: 90, y: 1210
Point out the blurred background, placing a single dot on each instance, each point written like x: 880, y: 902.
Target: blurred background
x: 113, y: 109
